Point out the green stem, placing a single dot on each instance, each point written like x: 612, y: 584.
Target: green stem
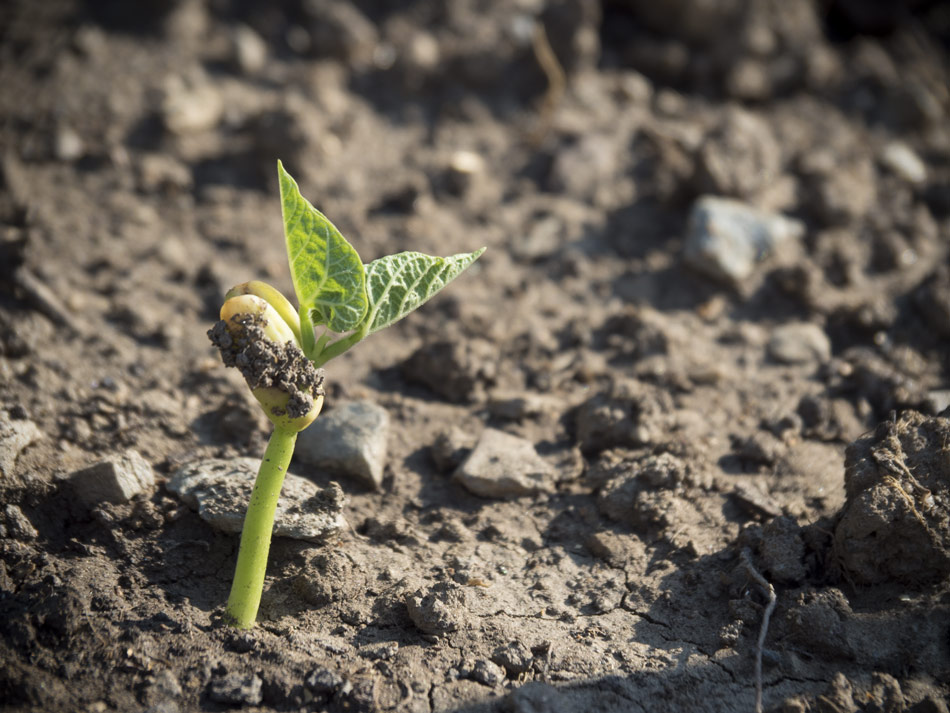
x: 331, y: 351
x: 248, y: 581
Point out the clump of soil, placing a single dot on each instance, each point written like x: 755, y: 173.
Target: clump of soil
x: 895, y: 524
x: 268, y: 364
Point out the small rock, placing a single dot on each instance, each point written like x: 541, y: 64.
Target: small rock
x: 799, y: 343
x: 115, y: 480
x: 323, y: 681
x: 457, y: 371
x: 504, y: 466
x: 727, y: 239
x: 250, y: 50
x: 379, y: 651
x: 439, y: 610
x: 219, y: 489
x: 163, y: 688
x: 192, y: 109
x: 236, y: 689
x: 18, y: 525
x: 67, y: 145
x: 15, y: 435
x: 902, y: 161
x: 515, y: 657
x: 488, y: 673
x: 350, y: 439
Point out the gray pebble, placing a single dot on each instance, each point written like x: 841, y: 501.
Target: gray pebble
x: 115, y: 480
x: 799, y: 343
x: 15, y: 435
x: 236, y: 689
x: 487, y: 673
x: 504, y: 466
x: 515, y: 657
x: 726, y: 239
x: 219, y: 489
x: 350, y: 439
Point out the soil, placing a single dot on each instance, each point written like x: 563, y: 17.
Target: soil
x: 703, y: 433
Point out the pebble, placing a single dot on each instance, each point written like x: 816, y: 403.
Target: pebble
x: 67, y: 145
x: 901, y: 159
x: 799, y: 343
x: 15, y: 435
x: 350, y: 439
x: 323, y: 681
x: 515, y: 657
x: 236, y: 689
x: 505, y: 467
x: 192, y: 109
x: 250, y: 50
x: 115, y: 480
x: 726, y: 239
x: 219, y: 489
x: 18, y: 525
x: 488, y: 673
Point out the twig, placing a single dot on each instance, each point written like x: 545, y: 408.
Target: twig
x: 554, y: 73
x: 763, y: 629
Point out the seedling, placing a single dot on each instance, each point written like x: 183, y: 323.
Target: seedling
x: 279, y: 351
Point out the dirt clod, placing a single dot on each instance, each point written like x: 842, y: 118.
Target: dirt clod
x: 267, y: 364
x: 896, y: 521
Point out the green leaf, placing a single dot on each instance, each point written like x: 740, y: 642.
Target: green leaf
x: 327, y: 272
x: 398, y: 284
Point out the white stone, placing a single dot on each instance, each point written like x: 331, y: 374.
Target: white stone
x: 219, y: 489
x: 351, y: 439
x: 504, y: 466
x: 115, y: 480
x: 726, y: 239
x: 250, y: 50
x: 901, y: 159
x: 799, y: 343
